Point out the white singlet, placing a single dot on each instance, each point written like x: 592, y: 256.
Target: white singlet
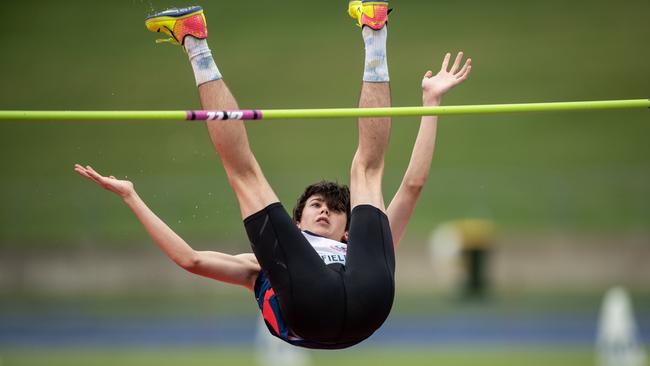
x: 331, y: 251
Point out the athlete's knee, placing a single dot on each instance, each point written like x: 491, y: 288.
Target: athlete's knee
x: 252, y: 190
x: 367, y: 165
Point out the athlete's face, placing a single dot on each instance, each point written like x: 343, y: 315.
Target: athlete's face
x: 319, y: 219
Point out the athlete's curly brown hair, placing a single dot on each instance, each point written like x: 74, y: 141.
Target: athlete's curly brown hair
x: 337, y: 197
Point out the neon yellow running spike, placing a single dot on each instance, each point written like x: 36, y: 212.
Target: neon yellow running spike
x: 178, y: 23
x: 354, y: 10
x: 373, y: 14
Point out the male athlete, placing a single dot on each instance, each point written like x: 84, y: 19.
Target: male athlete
x: 324, y: 279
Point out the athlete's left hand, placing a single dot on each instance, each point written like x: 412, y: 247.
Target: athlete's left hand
x: 122, y: 188
x: 435, y: 86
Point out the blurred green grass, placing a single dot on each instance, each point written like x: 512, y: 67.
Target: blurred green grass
x: 541, y: 356
x: 555, y: 171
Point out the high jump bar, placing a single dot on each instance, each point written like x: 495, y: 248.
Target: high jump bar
x: 268, y: 114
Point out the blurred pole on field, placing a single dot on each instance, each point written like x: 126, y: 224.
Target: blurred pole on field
x: 271, y: 351
x: 460, y: 252
x: 618, y: 341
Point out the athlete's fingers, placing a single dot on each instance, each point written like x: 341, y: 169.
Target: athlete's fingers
x: 465, y: 75
x: 79, y: 166
x: 464, y: 69
x: 96, y: 176
x: 428, y: 74
x: 93, y: 171
x: 456, y: 64
x: 460, y: 73
x: 81, y: 171
x: 84, y: 173
x: 445, y: 62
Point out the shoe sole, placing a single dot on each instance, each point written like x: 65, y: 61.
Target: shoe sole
x: 175, y: 13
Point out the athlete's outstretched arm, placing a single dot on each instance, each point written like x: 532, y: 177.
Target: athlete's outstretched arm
x: 239, y: 269
x: 434, y: 87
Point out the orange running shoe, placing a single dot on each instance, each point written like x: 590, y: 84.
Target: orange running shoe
x: 371, y: 13
x: 178, y: 23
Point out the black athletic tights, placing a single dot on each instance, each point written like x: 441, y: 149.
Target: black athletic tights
x: 327, y: 303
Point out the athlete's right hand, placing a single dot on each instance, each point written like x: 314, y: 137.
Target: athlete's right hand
x: 435, y: 86
x: 122, y: 188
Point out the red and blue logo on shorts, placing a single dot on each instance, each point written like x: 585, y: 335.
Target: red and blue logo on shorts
x: 343, y: 248
x: 270, y: 308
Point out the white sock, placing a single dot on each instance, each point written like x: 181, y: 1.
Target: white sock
x: 205, y: 69
x: 376, y: 66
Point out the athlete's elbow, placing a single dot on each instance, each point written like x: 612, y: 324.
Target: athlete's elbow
x: 415, y: 185
x: 189, y: 262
